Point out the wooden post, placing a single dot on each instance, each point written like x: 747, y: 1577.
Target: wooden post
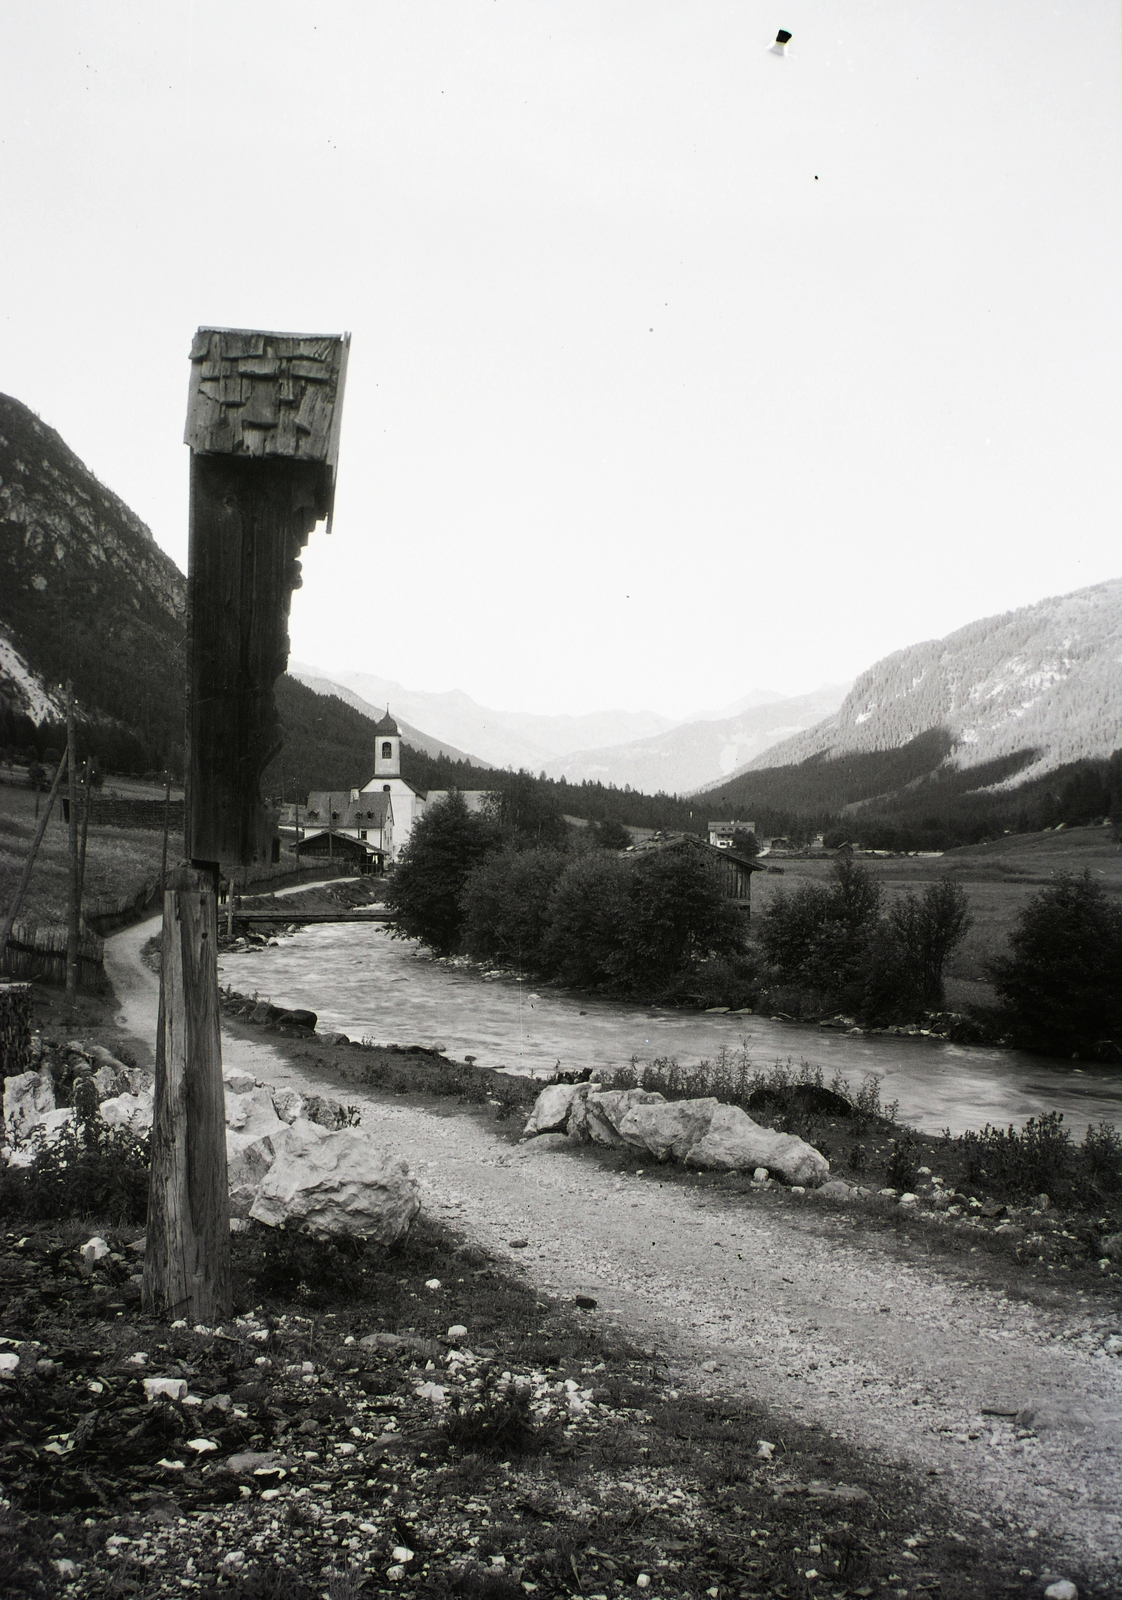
x: 72, y: 953
x: 85, y: 835
x: 263, y: 420
x: 25, y: 876
x: 187, y: 1259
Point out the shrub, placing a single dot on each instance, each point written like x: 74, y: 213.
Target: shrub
x: 676, y: 916
x: 586, y: 910
x: 1060, y: 989
x: 495, y: 1420
x: 88, y: 1170
x: 819, y: 937
x: 1040, y: 1159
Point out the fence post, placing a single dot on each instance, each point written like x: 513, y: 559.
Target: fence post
x: 187, y: 1259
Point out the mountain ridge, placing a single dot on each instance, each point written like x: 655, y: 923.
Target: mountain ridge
x: 1046, y: 677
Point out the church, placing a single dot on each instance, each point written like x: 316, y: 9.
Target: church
x: 410, y: 803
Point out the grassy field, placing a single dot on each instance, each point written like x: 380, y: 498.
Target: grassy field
x: 1000, y: 878
x: 118, y: 860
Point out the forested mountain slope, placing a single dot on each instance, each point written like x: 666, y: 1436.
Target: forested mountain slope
x: 85, y: 593
x: 1045, y: 678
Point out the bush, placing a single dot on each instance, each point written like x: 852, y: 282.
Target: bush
x: 496, y: 1420
x: 927, y: 931
x: 1060, y: 989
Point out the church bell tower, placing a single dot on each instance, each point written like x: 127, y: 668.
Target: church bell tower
x: 387, y: 748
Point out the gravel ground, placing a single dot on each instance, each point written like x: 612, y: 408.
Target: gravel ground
x: 782, y: 1300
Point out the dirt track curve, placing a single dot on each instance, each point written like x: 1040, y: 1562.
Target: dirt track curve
x: 792, y: 1304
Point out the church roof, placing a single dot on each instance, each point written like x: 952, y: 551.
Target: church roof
x: 386, y: 724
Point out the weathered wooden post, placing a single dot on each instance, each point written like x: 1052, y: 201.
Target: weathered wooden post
x: 263, y: 419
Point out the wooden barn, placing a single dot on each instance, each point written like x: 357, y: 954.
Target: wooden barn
x: 735, y: 870
x: 331, y: 846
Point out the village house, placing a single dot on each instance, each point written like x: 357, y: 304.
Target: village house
x: 722, y: 834
x: 410, y: 803
x: 347, y: 824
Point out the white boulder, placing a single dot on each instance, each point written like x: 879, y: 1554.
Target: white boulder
x: 668, y: 1130
x: 614, y: 1104
x: 248, y: 1158
x: 28, y: 1098
x: 734, y: 1142
x: 42, y: 1134
x: 336, y: 1182
x: 132, y: 1111
x: 553, y: 1107
x: 251, y: 1112
x: 288, y: 1105
x: 237, y: 1080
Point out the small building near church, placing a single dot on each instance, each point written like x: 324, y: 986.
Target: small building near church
x: 327, y: 845
x: 409, y: 803
x: 366, y: 817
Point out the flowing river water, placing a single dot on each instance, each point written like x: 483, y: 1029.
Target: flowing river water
x: 367, y: 985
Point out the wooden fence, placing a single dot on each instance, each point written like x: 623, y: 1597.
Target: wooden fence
x: 40, y: 952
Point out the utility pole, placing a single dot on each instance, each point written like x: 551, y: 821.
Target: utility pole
x: 263, y: 419
x: 72, y: 931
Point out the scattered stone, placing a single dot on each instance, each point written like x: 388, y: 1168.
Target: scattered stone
x: 94, y: 1249
x: 585, y: 1302
x: 165, y: 1388
x: 519, y: 1244
x: 457, y: 1331
x: 1062, y: 1589
x: 909, y: 1199
x: 835, y: 1189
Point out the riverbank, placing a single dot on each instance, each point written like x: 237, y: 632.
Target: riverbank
x: 842, y: 1338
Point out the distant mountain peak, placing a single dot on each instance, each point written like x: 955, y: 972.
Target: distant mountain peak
x: 1046, y: 677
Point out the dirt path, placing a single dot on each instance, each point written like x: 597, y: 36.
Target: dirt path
x: 783, y: 1302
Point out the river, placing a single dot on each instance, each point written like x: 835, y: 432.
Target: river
x: 367, y: 985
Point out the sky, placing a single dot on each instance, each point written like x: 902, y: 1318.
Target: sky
x: 678, y: 369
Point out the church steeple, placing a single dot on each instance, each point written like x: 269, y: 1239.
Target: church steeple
x: 387, y: 747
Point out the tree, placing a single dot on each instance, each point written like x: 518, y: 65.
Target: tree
x: 444, y: 848
x: 1060, y: 988
x: 819, y: 936
x: 586, y: 912
x: 505, y: 905
x: 928, y: 930
x: 676, y: 915
x: 530, y: 814
x: 745, y: 843
x: 611, y: 835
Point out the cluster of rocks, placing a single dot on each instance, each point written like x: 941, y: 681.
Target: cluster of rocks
x: 700, y: 1133
x: 291, y: 1157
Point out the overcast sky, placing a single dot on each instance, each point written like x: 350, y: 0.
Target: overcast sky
x: 678, y: 368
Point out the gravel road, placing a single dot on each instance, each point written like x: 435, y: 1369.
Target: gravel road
x: 783, y: 1300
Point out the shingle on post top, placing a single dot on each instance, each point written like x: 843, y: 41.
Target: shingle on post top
x: 268, y: 394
